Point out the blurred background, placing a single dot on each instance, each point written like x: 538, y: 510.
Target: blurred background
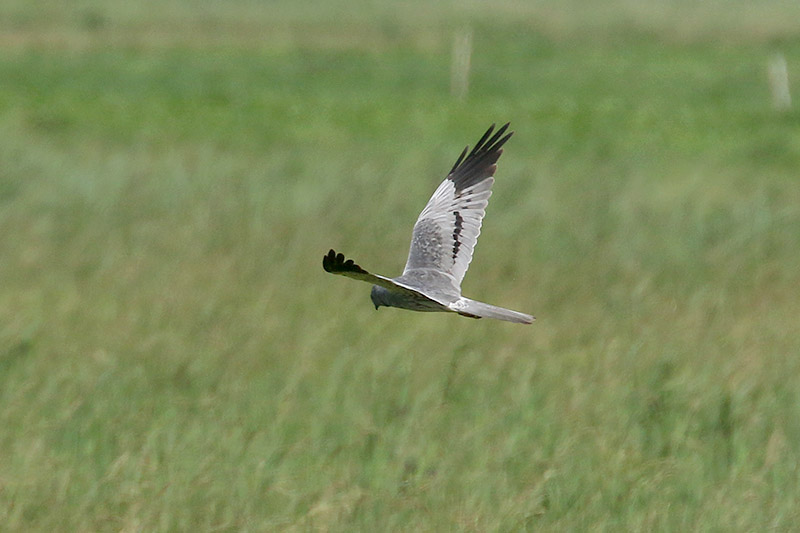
x: 173, y: 356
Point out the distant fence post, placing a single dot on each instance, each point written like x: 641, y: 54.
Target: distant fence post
x: 779, y: 82
x: 460, y: 66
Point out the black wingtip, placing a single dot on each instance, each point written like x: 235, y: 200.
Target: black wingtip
x: 484, y: 155
x: 479, y: 144
x: 460, y: 159
x: 328, y: 260
x: 336, y: 263
x: 492, y: 144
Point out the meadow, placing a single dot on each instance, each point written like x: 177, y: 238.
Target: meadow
x: 173, y: 356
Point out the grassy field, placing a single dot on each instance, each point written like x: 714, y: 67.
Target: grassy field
x: 174, y: 358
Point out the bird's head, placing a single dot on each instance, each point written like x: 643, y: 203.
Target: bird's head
x: 378, y: 296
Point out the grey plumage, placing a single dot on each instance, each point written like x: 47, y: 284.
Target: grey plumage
x: 442, y: 242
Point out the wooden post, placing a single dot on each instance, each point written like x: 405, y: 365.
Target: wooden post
x: 779, y: 82
x: 460, y: 66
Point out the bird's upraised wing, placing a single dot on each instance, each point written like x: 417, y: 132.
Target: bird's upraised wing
x: 447, y: 229
x: 337, y: 264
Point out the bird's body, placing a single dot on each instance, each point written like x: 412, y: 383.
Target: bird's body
x: 442, y: 243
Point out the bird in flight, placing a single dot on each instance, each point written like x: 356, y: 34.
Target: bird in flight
x: 442, y: 242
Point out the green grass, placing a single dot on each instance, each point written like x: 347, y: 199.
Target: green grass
x: 173, y: 357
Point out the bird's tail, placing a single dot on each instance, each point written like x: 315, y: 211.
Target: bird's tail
x: 471, y: 308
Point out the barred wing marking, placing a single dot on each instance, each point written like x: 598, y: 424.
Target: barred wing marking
x: 446, y: 233
x: 447, y: 230
x: 336, y: 264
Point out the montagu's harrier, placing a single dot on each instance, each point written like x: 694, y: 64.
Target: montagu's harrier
x: 441, y: 245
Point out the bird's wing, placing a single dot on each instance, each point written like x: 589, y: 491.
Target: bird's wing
x: 336, y: 264
x: 447, y: 229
